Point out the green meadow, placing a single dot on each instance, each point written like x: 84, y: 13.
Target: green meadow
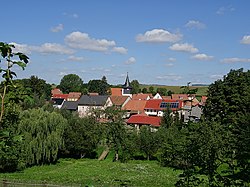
x: 91, y: 172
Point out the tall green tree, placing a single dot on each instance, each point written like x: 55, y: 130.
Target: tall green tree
x: 43, y: 136
x: 81, y: 136
x: 71, y: 83
x: 148, y: 142
x: 9, y: 114
x: 115, y: 131
x: 99, y: 86
x: 135, y: 86
x: 8, y: 58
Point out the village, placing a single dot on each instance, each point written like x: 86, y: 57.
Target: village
x: 141, y: 109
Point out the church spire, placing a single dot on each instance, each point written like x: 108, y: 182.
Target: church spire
x: 127, y: 83
x: 126, y: 88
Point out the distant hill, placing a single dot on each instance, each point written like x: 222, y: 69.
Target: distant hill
x: 202, y: 89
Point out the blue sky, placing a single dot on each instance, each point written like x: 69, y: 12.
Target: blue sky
x: 168, y: 42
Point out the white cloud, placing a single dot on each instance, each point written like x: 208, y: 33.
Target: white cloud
x: 169, y: 65
x: 192, y: 24
x: 235, y: 60
x: 120, y: 50
x: 223, y: 10
x: 158, y: 36
x: 171, y: 77
x: 75, y: 58
x: 81, y: 40
x: 23, y: 48
x: 131, y: 60
x: 202, y: 57
x: 245, y: 39
x: 100, y: 69
x: 62, y: 73
x: 216, y: 77
x: 171, y: 59
x: 185, y: 47
x: 52, y: 48
x: 74, y: 15
x: 46, y: 48
x: 57, y: 28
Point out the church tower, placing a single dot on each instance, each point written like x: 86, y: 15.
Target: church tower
x: 127, y: 88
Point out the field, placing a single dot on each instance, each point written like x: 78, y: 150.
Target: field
x: 202, y: 90
x: 90, y: 172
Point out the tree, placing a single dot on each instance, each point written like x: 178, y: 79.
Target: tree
x: 228, y: 104
x: 7, y: 58
x: 43, y: 136
x: 151, y: 90
x: 71, y: 83
x: 99, y: 86
x: 222, y: 139
x: 144, y: 90
x: 148, y: 142
x: 115, y: 131
x: 9, y: 115
x: 162, y: 91
x: 135, y: 86
x: 81, y: 136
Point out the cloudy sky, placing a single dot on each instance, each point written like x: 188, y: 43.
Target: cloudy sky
x: 156, y: 41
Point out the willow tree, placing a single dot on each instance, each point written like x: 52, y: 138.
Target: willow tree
x: 43, y: 136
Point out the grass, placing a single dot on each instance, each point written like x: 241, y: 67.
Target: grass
x: 89, y: 172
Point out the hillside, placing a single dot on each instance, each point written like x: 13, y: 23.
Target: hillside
x: 202, y: 90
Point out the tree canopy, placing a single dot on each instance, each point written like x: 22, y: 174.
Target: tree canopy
x: 99, y: 86
x: 71, y: 83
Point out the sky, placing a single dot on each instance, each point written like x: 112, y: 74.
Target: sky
x: 165, y: 42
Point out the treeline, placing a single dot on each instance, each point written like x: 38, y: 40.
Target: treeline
x: 213, y: 152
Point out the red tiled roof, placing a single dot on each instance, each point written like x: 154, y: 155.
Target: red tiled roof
x: 143, y: 119
x: 56, y: 91
x: 203, y: 99
x: 76, y: 95
x: 116, y: 91
x: 180, y: 96
x: 141, y: 96
x: 155, y: 103
x: 135, y: 105
x: 118, y: 100
x: 63, y: 96
x: 166, y: 97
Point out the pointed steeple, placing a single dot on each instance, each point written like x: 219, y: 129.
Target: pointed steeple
x: 126, y: 88
x: 127, y: 83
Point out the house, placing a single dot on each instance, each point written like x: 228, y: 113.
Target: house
x: 56, y: 91
x: 139, y: 120
x: 74, y: 96
x: 116, y: 91
x: 70, y: 105
x: 87, y: 103
x: 61, y: 96
x: 180, y: 96
x: 203, y: 100
x: 156, y: 107
x: 141, y: 96
x: 57, y: 102
x: 166, y: 97
x: 134, y: 107
x: 194, y: 114
x: 119, y: 101
x: 157, y: 96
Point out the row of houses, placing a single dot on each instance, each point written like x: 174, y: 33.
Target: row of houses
x: 140, y: 109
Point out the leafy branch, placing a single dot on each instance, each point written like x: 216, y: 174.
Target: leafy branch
x: 8, y: 58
